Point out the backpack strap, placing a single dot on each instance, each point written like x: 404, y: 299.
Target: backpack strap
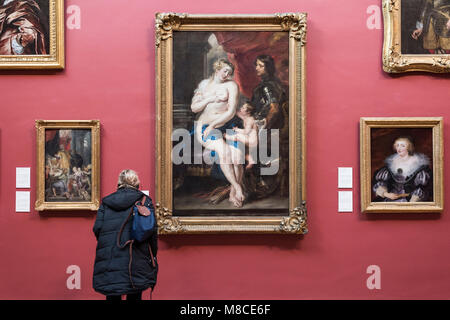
x: 119, y: 235
x: 130, y: 242
x: 125, y: 222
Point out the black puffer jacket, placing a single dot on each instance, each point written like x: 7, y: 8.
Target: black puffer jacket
x: 112, y: 268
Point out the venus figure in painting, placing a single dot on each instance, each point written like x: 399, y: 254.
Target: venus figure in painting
x: 406, y: 176
x: 434, y: 25
x: 21, y: 30
x: 216, y: 99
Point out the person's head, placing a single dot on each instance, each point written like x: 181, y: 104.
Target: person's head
x: 128, y: 179
x: 264, y: 65
x: 224, y: 69
x: 403, y: 146
x: 246, y: 109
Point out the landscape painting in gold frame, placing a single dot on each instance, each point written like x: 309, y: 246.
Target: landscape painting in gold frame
x: 68, y: 165
x: 402, y: 164
x: 230, y: 123
x: 416, y: 36
x: 32, y: 34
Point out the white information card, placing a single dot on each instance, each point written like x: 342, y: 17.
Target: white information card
x: 23, y: 177
x: 345, y: 177
x: 345, y: 201
x: 22, y: 201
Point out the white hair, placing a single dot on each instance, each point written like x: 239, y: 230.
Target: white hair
x: 128, y: 178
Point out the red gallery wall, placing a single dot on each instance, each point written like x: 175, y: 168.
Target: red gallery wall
x: 110, y: 76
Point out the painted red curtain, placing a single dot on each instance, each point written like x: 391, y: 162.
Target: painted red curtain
x: 65, y: 137
x: 244, y: 46
x: 50, y: 135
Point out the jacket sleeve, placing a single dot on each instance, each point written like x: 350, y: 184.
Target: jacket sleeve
x: 99, y: 221
x: 154, y: 243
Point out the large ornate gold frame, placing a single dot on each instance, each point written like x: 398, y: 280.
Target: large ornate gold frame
x: 295, y: 25
x: 436, y: 124
x: 41, y: 126
x: 55, y: 59
x: 393, y: 59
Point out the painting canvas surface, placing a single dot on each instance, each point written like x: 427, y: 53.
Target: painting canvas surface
x: 24, y: 27
x: 68, y: 165
x: 205, y: 187
x: 404, y: 173
x: 425, y: 26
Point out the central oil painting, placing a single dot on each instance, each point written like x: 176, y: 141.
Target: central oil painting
x: 231, y: 91
x: 231, y: 104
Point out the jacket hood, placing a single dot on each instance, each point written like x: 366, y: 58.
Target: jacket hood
x: 122, y: 199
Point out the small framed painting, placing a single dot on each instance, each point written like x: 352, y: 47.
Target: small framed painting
x: 68, y: 165
x: 31, y: 34
x: 401, y: 165
x: 416, y: 35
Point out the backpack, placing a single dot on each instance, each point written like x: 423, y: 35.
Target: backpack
x: 144, y: 222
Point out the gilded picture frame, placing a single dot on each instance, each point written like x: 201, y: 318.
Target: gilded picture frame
x: 176, y: 36
x: 67, y: 165
x: 32, y: 34
x: 416, y: 36
x: 402, y: 165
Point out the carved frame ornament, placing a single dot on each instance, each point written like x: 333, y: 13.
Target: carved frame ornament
x: 295, y: 222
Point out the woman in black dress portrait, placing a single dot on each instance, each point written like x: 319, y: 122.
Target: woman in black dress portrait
x: 406, y: 176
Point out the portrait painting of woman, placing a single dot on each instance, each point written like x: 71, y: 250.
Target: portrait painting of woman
x: 406, y: 176
x: 401, y: 164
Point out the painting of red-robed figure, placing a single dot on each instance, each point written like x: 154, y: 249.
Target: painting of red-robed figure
x: 24, y: 27
x: 231, y: 95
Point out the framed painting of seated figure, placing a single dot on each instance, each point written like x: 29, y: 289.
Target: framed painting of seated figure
x: 68, y: 165
x: 231, y: 123
x: 401, y: 165
x: 416, y: 35
x: 31, y: 34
